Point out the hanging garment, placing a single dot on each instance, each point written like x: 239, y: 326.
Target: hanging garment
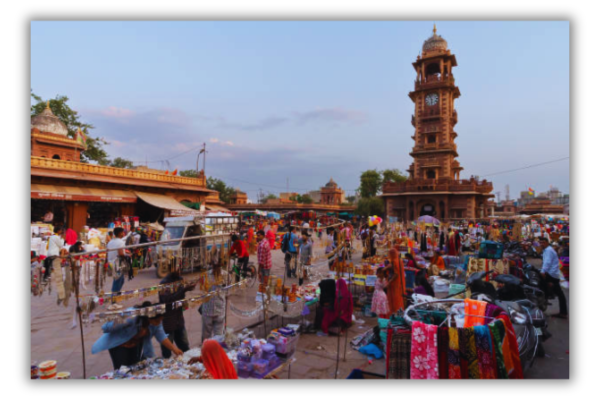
x: 441, y: 245
x: 443, y: 352
x: 398, y: 358
x: 511, y: 351
x: 423, y: 243
x: 454, y: 369
x: 424, y: 361
x: 483, y: 343
x: 468, y: 351
x: 452, y: 244
x: 497, y: 334
x: 474, y: 312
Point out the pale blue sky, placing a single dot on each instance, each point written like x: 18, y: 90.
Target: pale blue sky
x: 310, y: 100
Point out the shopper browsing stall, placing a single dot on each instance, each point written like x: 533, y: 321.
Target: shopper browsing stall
x: 213, y: 314
x: 215, y: 360
x: 115, y: 257
x: 131, y: 341
x: 173, y: 322
x: 263, y: 256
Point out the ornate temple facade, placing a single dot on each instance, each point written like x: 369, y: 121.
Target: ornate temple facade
x: 434, y: 186
x: 81, y: 193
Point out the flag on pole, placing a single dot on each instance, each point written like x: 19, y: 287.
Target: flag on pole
x: 530, y: 191
x: 175, y: 172
x: 81, y: 138
x: 167, y: 172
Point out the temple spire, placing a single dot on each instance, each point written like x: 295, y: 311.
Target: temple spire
x: 434, y: 29
x: 48, y: 105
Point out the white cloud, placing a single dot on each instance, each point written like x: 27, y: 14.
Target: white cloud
x: 213, y: 140
x: 229, y: 143
x: 117, y: 112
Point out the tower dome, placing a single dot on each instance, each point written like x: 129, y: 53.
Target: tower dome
x: 46, y: 121
x: 435, y: 42
x: 331, y: 184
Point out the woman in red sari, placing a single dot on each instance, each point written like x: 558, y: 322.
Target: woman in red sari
x: 396, y: 286
x: 215, y: 360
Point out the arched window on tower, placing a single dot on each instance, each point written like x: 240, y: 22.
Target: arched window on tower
x: 433, y: 72
x: 56, y: 157
x: 431, y: 139
x: 430, y: 174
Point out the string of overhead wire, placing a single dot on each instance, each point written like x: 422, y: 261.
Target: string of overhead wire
x: 527, y: 167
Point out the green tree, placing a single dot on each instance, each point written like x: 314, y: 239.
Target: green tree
x: 350, y: 199
x: 370, y: 183
x: 225, y: 192
x: 370, y: 206
x: 268, y: 197
x: 60, y: 108
x: 304, y: 199
x: 122, y: 163
x: 393, y: 175
x: 189, y: 173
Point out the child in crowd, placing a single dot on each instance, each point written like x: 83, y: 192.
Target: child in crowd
x: 380, y: 305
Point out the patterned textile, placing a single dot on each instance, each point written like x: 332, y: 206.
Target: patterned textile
x: 474, y: 312
x: 264, y: 254
x: 398, y: 353
x: 424, y: 354
x: 516, y: 371
x: 454, y: 370
x: 483, y: 342
x: 492, y: 311
x: 497, y: 333
x: 470, y: 352
x: 443, y: 352
x: 463, y: 344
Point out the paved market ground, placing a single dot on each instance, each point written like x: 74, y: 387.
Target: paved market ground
x: 52, y: 337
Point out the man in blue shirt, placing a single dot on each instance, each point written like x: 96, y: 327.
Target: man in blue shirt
x: 551, y: 274
x: 288, y: 243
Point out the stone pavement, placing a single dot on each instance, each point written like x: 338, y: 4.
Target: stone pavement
x: 52, y: 337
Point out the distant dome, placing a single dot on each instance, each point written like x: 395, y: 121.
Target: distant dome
x: 435, y: 42
x: 331, y: 184
x: 46, y: 121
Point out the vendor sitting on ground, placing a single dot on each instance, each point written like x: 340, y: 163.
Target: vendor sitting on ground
x: 131, y: 341
x: 422, y: 285
x: 437, y: 264
x: 341, y: 315
x: 215, y: 360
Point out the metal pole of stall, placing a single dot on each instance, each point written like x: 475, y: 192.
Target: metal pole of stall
x: 75, y: 279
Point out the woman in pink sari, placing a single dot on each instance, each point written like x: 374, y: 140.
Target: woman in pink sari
x: 343, y: 309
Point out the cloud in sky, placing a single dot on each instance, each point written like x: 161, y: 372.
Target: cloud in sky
x: 327, y: 115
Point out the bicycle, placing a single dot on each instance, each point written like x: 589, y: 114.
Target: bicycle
x: 235, y: 273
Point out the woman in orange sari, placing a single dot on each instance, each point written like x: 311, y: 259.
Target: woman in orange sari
x: 396, y: 286
x: 437, y: 264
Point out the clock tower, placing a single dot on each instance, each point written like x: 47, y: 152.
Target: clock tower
x: 434, y: 118
x: 434, y: 186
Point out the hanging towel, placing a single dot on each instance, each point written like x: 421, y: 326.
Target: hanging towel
x: 511, y: 351
x: 424, y: 362
x: 474, y: 312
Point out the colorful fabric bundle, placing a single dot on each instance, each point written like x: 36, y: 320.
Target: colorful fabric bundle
x: 483, y: 343
x: 424, y: 354
x: 454, y: 370
x: 468, y: 352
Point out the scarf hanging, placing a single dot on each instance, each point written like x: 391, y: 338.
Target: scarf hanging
x: 398, y: 358
x: 497, y: 333
x: 454, y: 370
x: 443, y: 349
x: 424, y: 362
x: 512, y: 350
x: 483, y: 342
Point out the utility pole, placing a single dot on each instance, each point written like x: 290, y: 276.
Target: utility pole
x: 203, y: 151
x: 507, y: 193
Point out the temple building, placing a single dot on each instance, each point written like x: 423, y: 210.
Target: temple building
x: 80, y: 194
x: 434, y: 186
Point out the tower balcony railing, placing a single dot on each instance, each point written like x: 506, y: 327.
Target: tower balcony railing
x: 433, y: 81
x: 439, y: 185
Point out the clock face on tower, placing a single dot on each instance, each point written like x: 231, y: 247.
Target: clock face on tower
x: 431, y: 99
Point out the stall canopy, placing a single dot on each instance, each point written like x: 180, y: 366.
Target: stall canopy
x: 72, y: 193
x: 212, y: 207
x: 166, y: 203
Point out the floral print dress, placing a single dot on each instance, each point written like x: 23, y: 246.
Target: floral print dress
x: 380, y: 305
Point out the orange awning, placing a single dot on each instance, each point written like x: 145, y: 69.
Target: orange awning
x: 72, y: 193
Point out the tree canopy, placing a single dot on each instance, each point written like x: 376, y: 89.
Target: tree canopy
x: 370, y: 183
x: 225, y: 192
x: 267, y: 197
x: 370, y: 206
x: 189, y: 173
x: 393, y: 175
x: 303, y: 199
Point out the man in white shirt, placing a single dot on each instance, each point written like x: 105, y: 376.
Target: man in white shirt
x: 55, y: 244
x: 116, y: 250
